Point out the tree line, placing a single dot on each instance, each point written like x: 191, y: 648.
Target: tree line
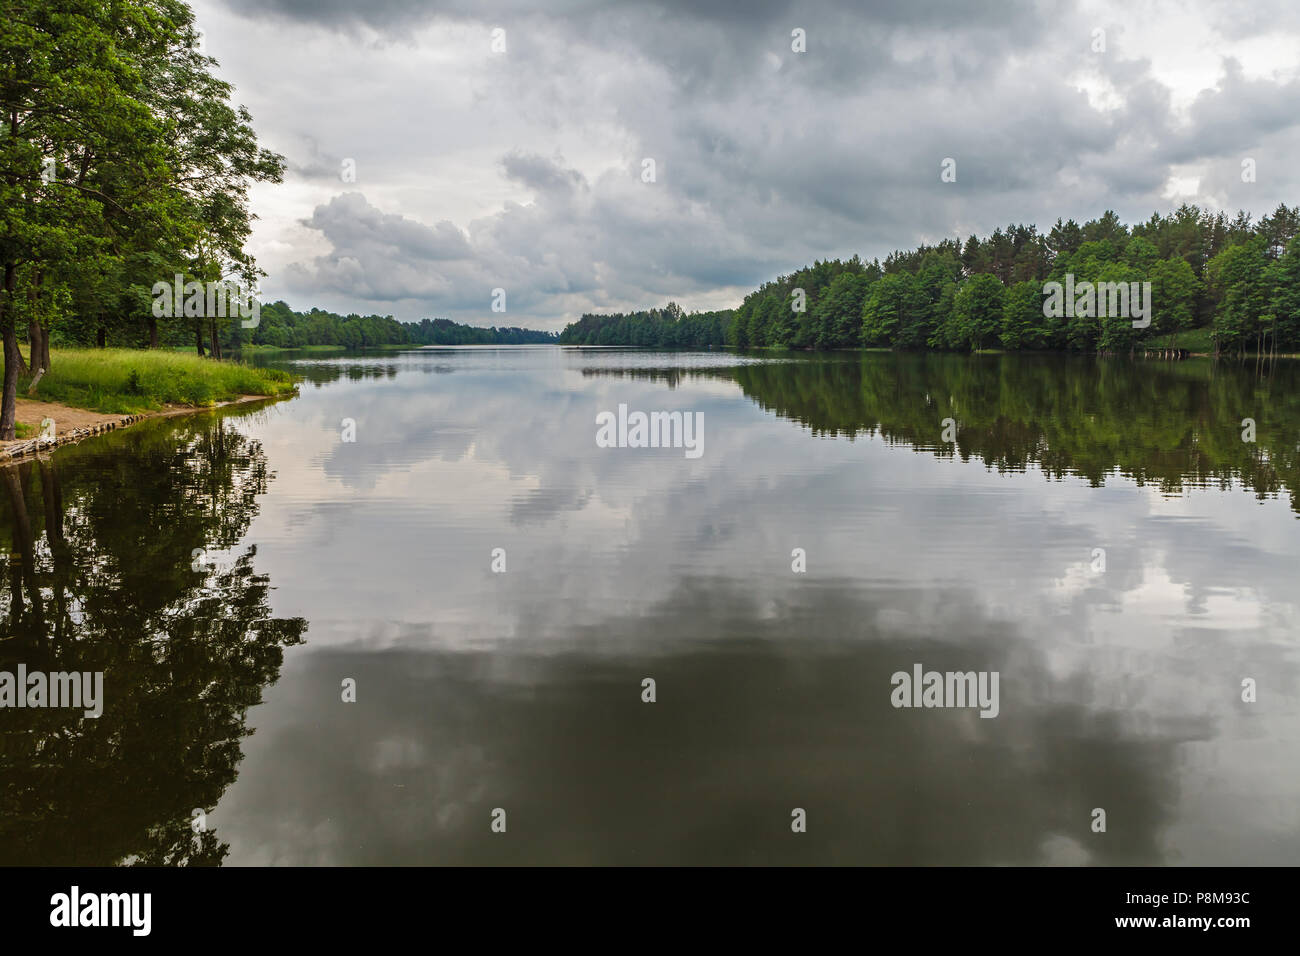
x: 282, y: 327
x: 668, y: 328
x: 1235, y: 277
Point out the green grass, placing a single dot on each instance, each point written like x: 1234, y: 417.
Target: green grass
x: 136, y: 380
x: 1194, y: 340
x: 26, y: 431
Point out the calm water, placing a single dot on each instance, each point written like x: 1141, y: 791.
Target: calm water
x: 228, y: 572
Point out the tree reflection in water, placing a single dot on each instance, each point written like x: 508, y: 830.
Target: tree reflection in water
x: 106, y: 569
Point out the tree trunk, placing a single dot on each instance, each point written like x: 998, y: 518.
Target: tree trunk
x: 45, y: 349
x: 8, y: 404
x: 13, y: 358
x: 101, y: 338
x: 198, y: 336
x: 34, y: 324
x: 153, y: 332
x: 216, y: 341
x: 34, y: 340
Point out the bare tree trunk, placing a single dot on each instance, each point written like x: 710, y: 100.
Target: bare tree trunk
x: 45, y: 349
x: 216, y: 341
x: 198, y: 336
x: 101, y: 338
x: 153, y: 332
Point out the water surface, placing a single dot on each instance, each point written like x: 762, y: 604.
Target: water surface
x: 229, y: 571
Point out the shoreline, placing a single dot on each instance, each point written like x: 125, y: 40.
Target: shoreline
x: 84, y: 423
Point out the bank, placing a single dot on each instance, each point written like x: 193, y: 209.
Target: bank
x: 91, y: 391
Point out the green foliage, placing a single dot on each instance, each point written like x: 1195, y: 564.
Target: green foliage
x: 896, y: 302
x: 1022, y: 316
x: 1116, y: 331
x: 123, y: 163
x: 975, y: 320
x: 1193, y: 340
x: 1203, y: 268
x: 667, y: 328
x: 1241, y: 283
x: 1285, y: 282
x: 836, y: 319
x: 1175, y: 292
x: 447, y: 332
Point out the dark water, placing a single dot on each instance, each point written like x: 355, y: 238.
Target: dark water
x: 320, y: 560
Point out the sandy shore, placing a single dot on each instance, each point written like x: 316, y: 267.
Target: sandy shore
x: 74, y: 424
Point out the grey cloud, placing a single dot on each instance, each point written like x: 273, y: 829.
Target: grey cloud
x: 310, y: 163
x: 540, y: 173
x: 353, y: 224
x: 1238, y: 114
x: 766, y: 159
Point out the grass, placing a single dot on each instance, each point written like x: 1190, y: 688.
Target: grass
x: 1194, y: 340
x: 135, y: 380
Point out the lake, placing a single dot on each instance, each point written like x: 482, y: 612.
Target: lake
x: 391, y: 648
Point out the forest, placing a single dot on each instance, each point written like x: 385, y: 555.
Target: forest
x: 667, y: 328
x: 282, y: 327
x: 1236, y: 278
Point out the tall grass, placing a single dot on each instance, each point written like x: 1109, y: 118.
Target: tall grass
x: 134, y: 380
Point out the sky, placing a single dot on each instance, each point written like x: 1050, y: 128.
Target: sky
x: 439, y: 151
